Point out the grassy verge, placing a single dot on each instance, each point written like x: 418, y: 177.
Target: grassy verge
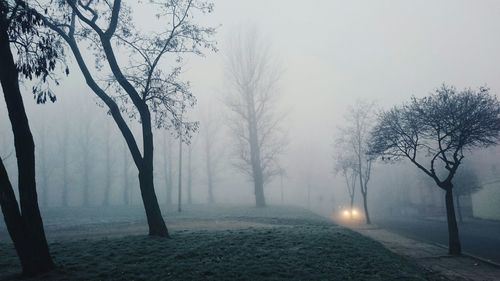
x: 284, y: 248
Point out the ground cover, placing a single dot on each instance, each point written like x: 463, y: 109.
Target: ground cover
x: 275, y: 243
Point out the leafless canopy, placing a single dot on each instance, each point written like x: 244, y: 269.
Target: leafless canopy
x: 354, y: 137
x: 439, y: 129
x: 137, y: 55
x: 345, y: 164
x: 353, y: 142
x: 253, y: 76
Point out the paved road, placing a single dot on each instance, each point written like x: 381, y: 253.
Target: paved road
x: 479, y: 238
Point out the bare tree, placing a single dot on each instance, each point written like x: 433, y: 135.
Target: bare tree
x: 179, y: 183
x: 345, y: 164
x: 253, y: 76
x: 210, y: 131
x: 86, y: 141
x: 144, y: 89
x: 127, y: 200
x: 64, y: 144
x: 108, y: 170
x: 190, y: 173
x: 167, y: 167
x: 43, y: 164
x: 283, y: 174
x: 353, y: 140
x: 438, y: 130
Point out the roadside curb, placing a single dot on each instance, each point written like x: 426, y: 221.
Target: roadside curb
x: 492, y: 263
x: 465, y: 254
x: 464, y: 267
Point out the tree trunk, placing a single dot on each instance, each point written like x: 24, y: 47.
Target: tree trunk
x: 190, y: 176
x: 156, y: 223
x: 86, y: 179
x: 167, y: 162
x: 126, y: 185
x: 308, y: 196
x: 260, y: 200
x: 107, y: 187
x: 459, y: 209
x: 211, y: 199
x: 179, y: 192
x: 258, y: 177
x: 281, y: 189
x: 453, y: 237
x: 12, y: 216
x: 363, y: 187
x: 365, y: 206
x: 364, y: 193
x: 352, y: 205
x: 155, y: 220
x: 258, y: 174
x: 165, y: 165
x: 208, y: 163
x: 26, y: 225
x: 85, y: 142
x: 64, y: 198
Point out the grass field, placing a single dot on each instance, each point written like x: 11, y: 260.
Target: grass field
x: 217, y: 244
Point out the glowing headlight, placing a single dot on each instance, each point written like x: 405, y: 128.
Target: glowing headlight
x: 354, y: 212
x: 346, y: 213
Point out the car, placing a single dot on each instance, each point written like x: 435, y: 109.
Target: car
x: 349, y: 214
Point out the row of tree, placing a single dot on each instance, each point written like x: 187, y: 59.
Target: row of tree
x: 140, y: 86
x: 80, y: 163
x: 134, y: 75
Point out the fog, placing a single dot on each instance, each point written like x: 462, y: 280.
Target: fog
x: 333, y: 53
x: 329, y: 54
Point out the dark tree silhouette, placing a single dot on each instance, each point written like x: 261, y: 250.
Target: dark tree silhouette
x: 439, y: 129
x: 253, y: 77
x: 141, y: 87
x: 37, y: 55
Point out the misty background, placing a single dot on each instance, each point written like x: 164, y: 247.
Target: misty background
x: 333, y: 53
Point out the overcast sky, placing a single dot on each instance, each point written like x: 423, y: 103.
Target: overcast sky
x: 335, y: 52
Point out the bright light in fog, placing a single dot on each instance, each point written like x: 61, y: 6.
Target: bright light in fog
x: 350, y: 214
